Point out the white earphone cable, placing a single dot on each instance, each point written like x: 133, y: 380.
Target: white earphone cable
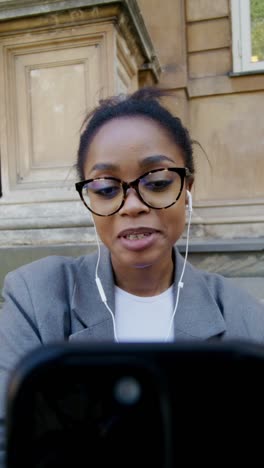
x: 180, y: 282
x: 99, y: 284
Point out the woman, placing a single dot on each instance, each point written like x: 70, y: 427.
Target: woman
x: 136, y: 166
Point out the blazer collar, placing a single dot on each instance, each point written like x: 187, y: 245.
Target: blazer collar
x: 87, y: 306
x: 198, y: 315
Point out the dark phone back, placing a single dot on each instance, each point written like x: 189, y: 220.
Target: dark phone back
x: 157, y: 405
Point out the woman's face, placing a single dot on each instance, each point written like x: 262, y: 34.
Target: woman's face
x: 126, y: 148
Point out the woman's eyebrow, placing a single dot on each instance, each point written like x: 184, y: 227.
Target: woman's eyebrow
x: 157, y: 158
x: 104, y: 167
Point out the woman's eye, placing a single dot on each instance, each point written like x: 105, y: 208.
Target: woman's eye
x: 107, y: 192
x: 158, y: 185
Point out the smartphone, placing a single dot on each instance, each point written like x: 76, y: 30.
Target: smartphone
x: 87, y: 406
x: 136, y: 405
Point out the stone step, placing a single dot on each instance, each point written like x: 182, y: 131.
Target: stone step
x: 242, y: 260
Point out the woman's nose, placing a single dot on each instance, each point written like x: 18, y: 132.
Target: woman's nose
x: 133, y: 206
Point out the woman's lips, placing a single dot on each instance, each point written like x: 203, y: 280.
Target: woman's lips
x: 138, y: 239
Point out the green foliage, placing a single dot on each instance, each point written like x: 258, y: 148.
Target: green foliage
x: 257, y: 28
x: 257, y: 9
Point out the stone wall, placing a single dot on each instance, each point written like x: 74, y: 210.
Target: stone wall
x: 192, y: 40
x: 224, y: 113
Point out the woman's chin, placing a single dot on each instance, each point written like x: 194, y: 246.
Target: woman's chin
x: 139, y: 260
x: 143, y: 265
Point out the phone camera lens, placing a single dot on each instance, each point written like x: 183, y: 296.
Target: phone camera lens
x: 127, y: 391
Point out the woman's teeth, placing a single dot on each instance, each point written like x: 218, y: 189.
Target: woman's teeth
x: 137, y: 236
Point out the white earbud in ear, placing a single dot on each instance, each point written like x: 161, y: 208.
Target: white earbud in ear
x: 189, y: 196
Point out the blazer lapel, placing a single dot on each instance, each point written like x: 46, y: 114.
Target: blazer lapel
x: 198, y: 315
x: 91, y: 319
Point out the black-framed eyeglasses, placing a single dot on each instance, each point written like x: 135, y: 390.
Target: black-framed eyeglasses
x: 158, y: 189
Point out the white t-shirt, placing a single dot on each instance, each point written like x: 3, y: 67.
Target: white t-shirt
x: 143, y: 318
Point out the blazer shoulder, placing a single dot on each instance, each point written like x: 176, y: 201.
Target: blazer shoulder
x: 51, y: 267
x: 239, y: 308
x: 34, y: 291
x: 52, y: 276
x: 223, y: 288
x: 227, y: 287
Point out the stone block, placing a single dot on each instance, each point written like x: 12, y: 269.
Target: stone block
x: 209, y: 63
x: 197, y: 10
x: 208, y: 35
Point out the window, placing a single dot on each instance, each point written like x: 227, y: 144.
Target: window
x: 248, y: 35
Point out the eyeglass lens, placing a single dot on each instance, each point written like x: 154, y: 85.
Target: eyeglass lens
x: 158, y: 189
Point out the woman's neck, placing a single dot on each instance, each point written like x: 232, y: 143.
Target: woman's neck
x: 145, y: 281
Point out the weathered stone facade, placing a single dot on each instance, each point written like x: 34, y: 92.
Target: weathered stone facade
x: 57, y: 58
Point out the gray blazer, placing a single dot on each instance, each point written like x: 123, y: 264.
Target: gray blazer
x: 56, y: 299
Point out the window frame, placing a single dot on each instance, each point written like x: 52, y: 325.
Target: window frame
x: 241, y: 38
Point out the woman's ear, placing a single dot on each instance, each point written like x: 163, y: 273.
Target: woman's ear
x: 190, y: 182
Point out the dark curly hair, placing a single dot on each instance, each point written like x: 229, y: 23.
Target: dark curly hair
x: 144, y: 102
